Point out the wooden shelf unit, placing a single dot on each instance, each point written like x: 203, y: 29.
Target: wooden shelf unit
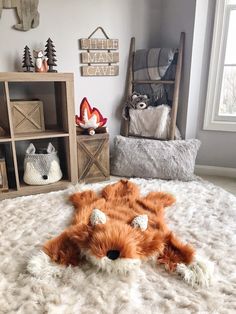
x: 56, y: 90
x: 46, y: 134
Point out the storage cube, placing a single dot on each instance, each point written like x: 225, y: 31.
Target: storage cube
x: 27, y: 116
x: 93, y: 157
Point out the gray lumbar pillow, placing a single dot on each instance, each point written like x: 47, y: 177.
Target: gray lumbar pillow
x: 143, y: 158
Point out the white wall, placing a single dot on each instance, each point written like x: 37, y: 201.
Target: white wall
x: 67, y: 21
x: 218, y: 148
x: 153, y: 23
x: 199, y: 50
x: 196, y: 18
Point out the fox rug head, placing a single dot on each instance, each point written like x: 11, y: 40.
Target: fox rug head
x: 117, y: 229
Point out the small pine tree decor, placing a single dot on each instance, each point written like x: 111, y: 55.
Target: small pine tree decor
x: 51, y: 54
x: 27, y: 62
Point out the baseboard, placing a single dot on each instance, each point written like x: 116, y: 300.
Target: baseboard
x: 215, y: 171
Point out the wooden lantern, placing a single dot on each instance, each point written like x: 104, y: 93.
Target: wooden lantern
x: 27, y: 116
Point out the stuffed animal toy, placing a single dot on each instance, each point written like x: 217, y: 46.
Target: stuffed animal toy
x: 90, y: 119
x: 41, y: 64
x: 118, y: 229
x: 135, y: 101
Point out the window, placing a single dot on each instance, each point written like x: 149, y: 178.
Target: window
x: 220, y: 113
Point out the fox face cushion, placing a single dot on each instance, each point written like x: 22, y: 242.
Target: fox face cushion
x: 118, y: 229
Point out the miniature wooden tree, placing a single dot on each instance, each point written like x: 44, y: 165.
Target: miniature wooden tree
x: 50, y: 54
x: 27, y: 60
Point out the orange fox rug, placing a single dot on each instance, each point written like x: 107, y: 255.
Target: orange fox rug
x: 118, y: 229
x: 203, y: 215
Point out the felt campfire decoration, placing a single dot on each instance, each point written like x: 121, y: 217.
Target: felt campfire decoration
x: 90, y: 119
x: 118, y: 229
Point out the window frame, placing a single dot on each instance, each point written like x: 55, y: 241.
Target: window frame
x: 212, y: 119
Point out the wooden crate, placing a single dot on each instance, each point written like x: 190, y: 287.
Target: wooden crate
x: 27, y: 116
x: 93, y: 157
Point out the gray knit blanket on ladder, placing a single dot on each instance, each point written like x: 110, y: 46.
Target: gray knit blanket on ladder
x: 154, y: 64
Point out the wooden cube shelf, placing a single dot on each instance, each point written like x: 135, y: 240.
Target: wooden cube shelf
x: 55, y: 92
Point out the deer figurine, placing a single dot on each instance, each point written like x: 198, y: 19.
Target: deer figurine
x: 40, y: 61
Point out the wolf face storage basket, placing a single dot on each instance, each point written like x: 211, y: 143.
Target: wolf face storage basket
x: 43, y: 167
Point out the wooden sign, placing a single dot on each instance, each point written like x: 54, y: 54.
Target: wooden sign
x: 100, y: 70
x: 99, y: 63
x: 100, y: 57
x: 99, y: 44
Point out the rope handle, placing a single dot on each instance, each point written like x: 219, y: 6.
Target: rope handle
x: 99, y: 27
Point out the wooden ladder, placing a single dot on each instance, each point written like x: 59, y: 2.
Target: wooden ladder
x: 176, y: 83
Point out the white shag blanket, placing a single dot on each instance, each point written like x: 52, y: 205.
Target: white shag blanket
x: 204, y: 216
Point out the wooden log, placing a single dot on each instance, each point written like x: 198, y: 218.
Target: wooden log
x: 99, y: 130
x: 102, y: 129
x: 99, y: 57
x: 79, y: 130
x: 99, y: 44
x: 100, y: 70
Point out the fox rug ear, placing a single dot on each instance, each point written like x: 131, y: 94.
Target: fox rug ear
x: 97, y: 217
x: 141, y: 222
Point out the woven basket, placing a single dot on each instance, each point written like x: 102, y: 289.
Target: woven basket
x: 43, y: 167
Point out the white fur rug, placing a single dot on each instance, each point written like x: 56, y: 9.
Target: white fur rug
x: 204, y: 215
